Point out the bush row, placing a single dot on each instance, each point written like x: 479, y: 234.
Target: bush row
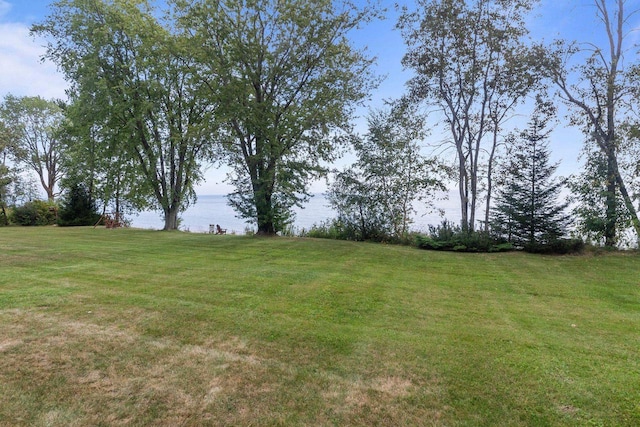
x: 37, y: 212
x: 339, y: 230
x: 448, y: 237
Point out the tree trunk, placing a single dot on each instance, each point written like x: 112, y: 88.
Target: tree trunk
x: 611, y: 203
x: 171, y: 218
x: 628, y: 202
x: 487, y: 210
x: 264, y: 211
x: 463, y: 189
x: 4, y: 215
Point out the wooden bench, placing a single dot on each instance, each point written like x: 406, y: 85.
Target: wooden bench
x: 110, y: 222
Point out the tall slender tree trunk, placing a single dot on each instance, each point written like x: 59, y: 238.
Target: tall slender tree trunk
x: 635, y: 221
x: 463, y: 190
x: 611, y: 202
x: 492, y: 155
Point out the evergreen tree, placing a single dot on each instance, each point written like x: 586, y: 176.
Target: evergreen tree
x: 527, y: 211
x: 78, y: 208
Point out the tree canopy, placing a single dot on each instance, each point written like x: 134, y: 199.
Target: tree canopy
x: 133, y: 85
x: 286, y: 79
x: 33, y: 125
x: 375, y: 197
x: 594, y: 82
x: 471, y: 66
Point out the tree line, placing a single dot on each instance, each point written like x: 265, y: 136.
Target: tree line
x: 269, y: 89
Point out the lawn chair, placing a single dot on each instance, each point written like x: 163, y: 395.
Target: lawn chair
x: 220, y: 230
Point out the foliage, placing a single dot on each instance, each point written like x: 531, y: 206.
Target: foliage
x: 330, y: 229
x: 451, y: 237
x: 527, y: 211
x: 472, y: 66
x: 36, y: 212
x: 556, y: 247
x: 35, y: 130
x: 6, y: 175
x: 78, y: 208
x: 133, y: 87
x: 374, y: 198
x: 589, y: 194
x: 285, y: 79
x: 597, y: 83
x: 338, y: 229
x: 93, y: 157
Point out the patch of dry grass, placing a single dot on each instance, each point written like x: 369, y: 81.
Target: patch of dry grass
x: 88, y: 372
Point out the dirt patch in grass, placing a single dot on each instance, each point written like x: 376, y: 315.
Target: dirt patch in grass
x: 57, y: 370
x: 91, y: 367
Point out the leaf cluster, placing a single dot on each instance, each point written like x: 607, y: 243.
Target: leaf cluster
x: 375, y: 196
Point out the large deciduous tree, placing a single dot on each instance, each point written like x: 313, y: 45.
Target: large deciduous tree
x: 131, y: 73
x: 598, y: 90
x: 472, y: 66
x: 286, y: 80
x: 34, y: 124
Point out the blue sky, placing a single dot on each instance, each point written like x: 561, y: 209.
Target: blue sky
x: 22, y: 72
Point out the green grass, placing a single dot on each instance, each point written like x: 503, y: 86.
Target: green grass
x: 132, y: 327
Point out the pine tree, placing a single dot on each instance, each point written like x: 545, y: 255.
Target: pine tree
x: 527, y: 211
x: 78, y: 208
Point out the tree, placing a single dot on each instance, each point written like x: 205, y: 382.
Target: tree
x: 598, y: 91
x: 471, y: 65
x: 78, y: 208
x: 93, y: 159
x: 527, y: 211
x: 35, y: 125
x: 6, y: 177
x: 285, y: 79
x: 589, y: 194
x: 13, y: 187
x: 375, y: 197
x: 131, y: 73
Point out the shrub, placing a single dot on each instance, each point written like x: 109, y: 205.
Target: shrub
x: 78, y: 208
x: 37, y: 212
x: 557, y: 246
x: 338, y: 229
x: 450, y: 237
x: 330, y: 229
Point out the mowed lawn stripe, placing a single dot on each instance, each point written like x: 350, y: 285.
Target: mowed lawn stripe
x: 132, y: 327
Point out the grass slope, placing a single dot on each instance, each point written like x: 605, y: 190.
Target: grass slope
x: 132, y: 327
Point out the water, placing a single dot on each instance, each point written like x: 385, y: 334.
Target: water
x: 213, y: 209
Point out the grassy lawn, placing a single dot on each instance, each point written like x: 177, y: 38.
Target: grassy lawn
x: 131, y: 327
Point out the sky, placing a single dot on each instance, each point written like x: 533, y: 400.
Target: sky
x: 23, y: 73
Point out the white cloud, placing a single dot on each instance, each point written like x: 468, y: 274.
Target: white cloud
x: 22, y: 72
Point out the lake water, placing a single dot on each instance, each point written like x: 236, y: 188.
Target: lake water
x: 213, y: 209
